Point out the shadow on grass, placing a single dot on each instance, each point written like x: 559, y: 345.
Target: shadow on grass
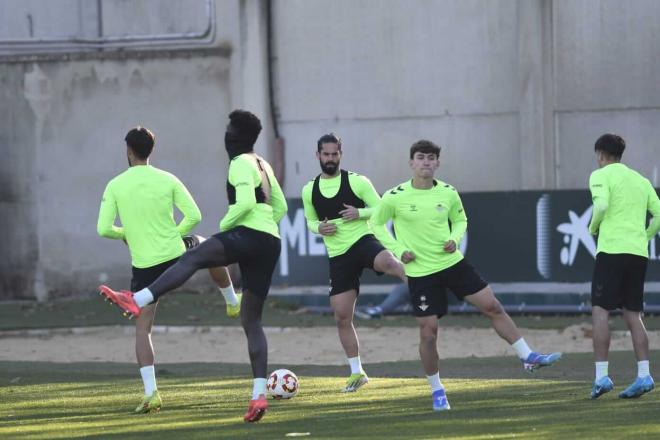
x: 577, y: 367
x: 205, y: 401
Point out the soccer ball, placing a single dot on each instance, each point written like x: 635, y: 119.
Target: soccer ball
x: 282, y: 384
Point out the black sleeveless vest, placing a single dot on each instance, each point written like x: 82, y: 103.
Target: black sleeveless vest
x: 258, y: 191
x: 329, y: 207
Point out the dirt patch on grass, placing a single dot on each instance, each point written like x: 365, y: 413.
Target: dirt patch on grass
x: 318, y: 346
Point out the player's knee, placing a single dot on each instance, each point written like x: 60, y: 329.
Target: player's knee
x: 142, y: 330
x: 391, y: 265
x: 633, y: 319
x: 189, y: 257
x: 249, y: 320
x: 428, y: 338
x: 343, y: 319
x: 194, y: 258
x: 428, y: 334
x: 144, y: 323
x: 493, y: 308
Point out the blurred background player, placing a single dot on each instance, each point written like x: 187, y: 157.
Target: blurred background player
x: 621, y: 199
x: 249, y: 236
x: 429, y: 222
x: 345, y: 200
x: 396, y: 302
x: 143, y: 197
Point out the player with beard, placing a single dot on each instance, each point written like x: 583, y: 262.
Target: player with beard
x: 249, y: 236
x: 337, y: 205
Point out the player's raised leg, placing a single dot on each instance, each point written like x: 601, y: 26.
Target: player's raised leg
x: 222, y: 279
x: 210, y: 253
x: 488, y: 305
x: 386, y: 262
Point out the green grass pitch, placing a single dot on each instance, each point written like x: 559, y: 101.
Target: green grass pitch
x: 491, y: 399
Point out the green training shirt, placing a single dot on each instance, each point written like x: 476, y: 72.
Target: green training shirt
x: 421, y: 220
x: 348, y: 231
x: 143, y: 197
x: 621, y: 198
x: 245, y: 177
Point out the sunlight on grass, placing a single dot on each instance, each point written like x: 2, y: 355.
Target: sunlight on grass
x: 212, y: 407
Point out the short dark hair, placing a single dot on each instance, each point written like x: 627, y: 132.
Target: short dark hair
x: 424, y: 146
x: 612, y: 144
x: 246, y: 123
x: 329, y: 138
x: 141, y: 140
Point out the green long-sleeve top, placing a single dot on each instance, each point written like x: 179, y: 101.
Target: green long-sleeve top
x: 245, y: 179
x: 621, y: 198
x: 143, y: 198
x: 421, y: 219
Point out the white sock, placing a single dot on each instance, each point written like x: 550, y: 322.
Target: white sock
x: 148, y: 374
x: 356, y: 365
x: 143, y: 297
x: 434, y: 381
x: 643, y: 369
x: 258, y: 387
x: 601, y: 369
x: 229, y: 294
x: 522, y: 348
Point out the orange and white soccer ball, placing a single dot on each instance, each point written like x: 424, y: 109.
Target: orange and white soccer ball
x: 282, y: 384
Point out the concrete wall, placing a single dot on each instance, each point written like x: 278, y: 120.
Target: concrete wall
x: 607, y: 75
x: 516, y: 92
x: 75, y: 133
x: 62, y: 122
x: 383, y: 74
x: 18, y: 205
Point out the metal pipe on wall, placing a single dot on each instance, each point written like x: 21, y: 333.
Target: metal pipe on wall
x: 279, y: 147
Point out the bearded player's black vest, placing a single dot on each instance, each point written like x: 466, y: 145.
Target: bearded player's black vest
x: 329, y: 207
x: 258, y: 191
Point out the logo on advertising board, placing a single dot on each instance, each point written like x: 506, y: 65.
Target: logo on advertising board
x: 564, y: 244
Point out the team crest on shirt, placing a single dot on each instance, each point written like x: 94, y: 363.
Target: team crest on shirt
x: 440, y: 208
x: 413, y: 208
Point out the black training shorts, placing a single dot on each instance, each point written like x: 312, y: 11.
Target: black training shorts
x: 143, y: 277
x: 429, y: 293
x: 346, y: 269
x: 256, y: 253
x: 618, y: 281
